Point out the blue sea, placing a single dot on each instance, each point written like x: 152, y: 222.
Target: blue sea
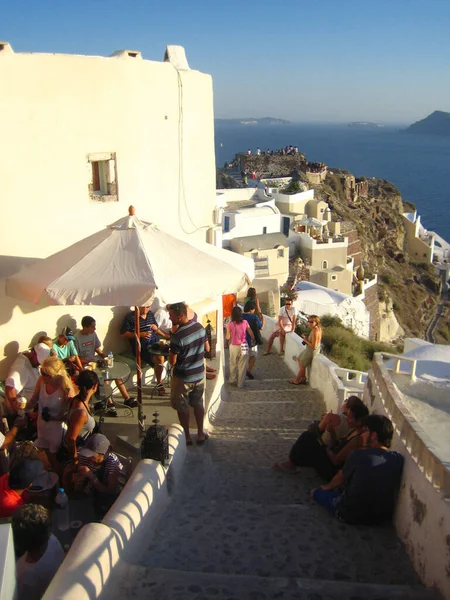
x: 419, y: 165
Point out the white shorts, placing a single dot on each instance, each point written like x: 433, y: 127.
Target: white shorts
x: 253, y: 351
x: 50, y: 435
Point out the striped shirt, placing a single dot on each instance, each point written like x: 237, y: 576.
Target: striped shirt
x: 110, y: 465
x: 188, y: 343
x: 128, y: 324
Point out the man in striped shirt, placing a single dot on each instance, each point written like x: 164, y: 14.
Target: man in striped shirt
x: 187, y: 352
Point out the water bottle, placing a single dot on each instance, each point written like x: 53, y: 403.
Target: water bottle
x: 62, y: 512
x: 110, y: 359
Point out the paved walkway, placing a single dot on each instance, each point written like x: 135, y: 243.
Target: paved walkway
x: 235, y: 529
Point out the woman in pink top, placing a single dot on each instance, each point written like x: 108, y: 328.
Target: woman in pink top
x: 237, y: 330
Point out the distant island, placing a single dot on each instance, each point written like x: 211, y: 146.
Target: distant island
x: 253, y: 121
x: 364, y: 124
x: 438, y: 123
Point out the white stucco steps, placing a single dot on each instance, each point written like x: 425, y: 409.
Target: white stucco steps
x: 138, y: 582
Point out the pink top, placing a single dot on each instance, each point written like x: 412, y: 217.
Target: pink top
x: 237, y: 331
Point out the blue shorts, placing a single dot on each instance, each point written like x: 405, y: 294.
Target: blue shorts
x: 329, y: 499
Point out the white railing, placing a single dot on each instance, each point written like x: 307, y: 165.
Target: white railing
x: 418, y: 443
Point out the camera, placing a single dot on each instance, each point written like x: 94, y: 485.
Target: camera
x: 45, y: 414
x: 303, y: 343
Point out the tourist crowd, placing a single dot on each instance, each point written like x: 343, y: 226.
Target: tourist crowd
x: 52, y: 394
x: 53, y: 391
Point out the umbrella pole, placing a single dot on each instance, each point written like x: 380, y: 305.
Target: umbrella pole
x: 137, y: 330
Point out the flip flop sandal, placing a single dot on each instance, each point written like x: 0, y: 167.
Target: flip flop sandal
x: 161, y: 390
x: 201, y: 442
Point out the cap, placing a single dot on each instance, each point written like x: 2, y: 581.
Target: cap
x: 96, y: 444
x: 42, y: 352
x: 68, y: 333
x: 24, y: 472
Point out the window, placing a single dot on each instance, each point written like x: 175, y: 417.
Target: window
x: 333, y: 278
x: 226, y: 224
x: 264, y: 229
x: 286, y: 225
x: 102, y: 185
x: 280, y: 253
x: 325, y: 264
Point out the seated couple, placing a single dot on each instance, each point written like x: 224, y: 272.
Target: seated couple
x: 359, y: 462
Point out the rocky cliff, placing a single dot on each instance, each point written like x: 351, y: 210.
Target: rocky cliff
x: 374, y: 208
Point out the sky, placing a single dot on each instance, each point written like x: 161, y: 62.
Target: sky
x: 321, y: 61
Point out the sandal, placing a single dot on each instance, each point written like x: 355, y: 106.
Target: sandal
x: 295, y: 382
x: 161, y: 390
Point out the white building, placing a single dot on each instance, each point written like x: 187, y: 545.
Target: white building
x: 261, y: 218
x: 85, y: 137
x: 314, y: 299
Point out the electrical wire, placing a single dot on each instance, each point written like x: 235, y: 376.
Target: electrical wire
x: 181, y: 187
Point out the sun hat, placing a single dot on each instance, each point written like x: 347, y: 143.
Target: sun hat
x: 96, y: 444
x: 42, y: 352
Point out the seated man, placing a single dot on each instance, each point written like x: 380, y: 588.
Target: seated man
x: 42, y: 552
x: 14, y: 483
x: 287, y: 320
x: 24, y: 373
x: 370, y: 478
x: 88, y: 345
x: 149, y: 334
x: 65, y: 349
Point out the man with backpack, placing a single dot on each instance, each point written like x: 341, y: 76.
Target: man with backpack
x: 255, y: 325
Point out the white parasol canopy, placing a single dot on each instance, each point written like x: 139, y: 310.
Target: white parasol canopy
x: 125, y: 263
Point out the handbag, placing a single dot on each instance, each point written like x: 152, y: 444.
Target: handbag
x: 244, y: 348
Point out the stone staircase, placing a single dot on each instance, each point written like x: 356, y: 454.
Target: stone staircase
x: 236, y: 529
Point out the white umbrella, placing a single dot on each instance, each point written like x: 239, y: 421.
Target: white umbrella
x: 124, y: 265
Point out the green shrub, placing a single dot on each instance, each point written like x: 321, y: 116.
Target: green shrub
x: 346, y: 349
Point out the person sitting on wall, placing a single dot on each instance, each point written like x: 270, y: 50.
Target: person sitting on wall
x: 24, y: 373
x: 88, y: 347
x: 287, y: 319
x: 65, y: 349
x: 312, y: 343
x: 370, y: 479
x: 310, y: 449
x: 40, y: 552
x: 149, y: 334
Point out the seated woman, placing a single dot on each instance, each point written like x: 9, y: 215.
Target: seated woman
x: 80, y: 422
x: 99, y: 472
x: 310, y: 451
x: 53, y: 391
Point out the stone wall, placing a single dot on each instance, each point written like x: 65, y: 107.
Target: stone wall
x: 372, y: 305
x: 354, y: 249
x: 265, y: 165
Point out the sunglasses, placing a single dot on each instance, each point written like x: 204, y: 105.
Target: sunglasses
x: 288, y: 304
x: 311, y: 321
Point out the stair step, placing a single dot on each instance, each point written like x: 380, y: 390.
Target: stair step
x: 137, y: 582
x: 299, y: 540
